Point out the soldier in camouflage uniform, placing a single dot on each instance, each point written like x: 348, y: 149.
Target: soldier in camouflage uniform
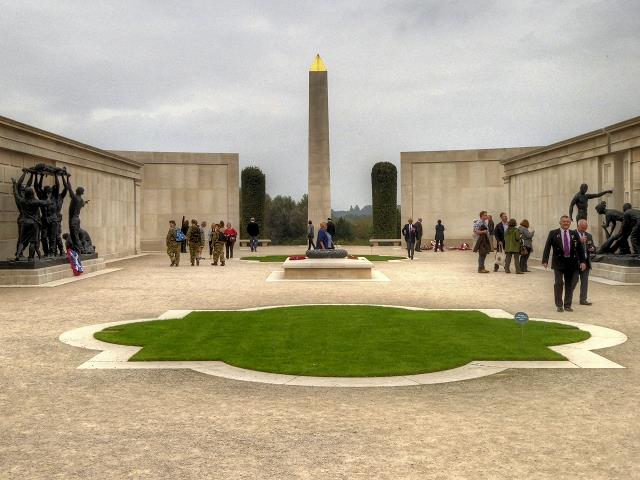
x: 173, y: 246
x: 218, y: 245
x: 196, y: 242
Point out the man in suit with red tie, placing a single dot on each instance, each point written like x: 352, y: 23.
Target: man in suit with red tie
x: 569, y: 258
x: 409, y: 232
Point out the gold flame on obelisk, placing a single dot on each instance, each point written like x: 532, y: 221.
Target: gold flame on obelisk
x: 318, y: 65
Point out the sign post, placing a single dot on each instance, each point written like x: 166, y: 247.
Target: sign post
x: 521, y: 318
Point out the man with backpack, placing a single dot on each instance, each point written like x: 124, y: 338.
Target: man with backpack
x: 219, y: 240
x: 196, y: 242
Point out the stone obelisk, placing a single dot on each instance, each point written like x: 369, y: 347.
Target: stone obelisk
x: 319, y: 207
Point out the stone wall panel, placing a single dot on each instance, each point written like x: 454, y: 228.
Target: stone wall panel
x: 203, y: 186
x: 453, y: 186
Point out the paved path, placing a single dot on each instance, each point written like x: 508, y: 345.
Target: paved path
x: 61, y: 422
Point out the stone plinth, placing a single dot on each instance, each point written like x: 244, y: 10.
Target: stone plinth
x: 618, y: 273
x: 39, y: 263
x: 610, y: 258
x: 39, y: 276
x: 328, y: 269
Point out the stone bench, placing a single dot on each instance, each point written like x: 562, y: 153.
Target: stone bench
x: 375, y: 242
x: 262, y: 242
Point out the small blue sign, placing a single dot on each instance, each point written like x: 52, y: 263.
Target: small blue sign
x: 521, y: 318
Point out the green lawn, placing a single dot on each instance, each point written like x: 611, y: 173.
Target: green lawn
x: 345, y: 341
x: 282, y: 258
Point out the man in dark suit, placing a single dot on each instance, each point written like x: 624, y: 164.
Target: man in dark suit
x: 586, y: 239
x: 409, y: 233
x: 418, y: 227
x: 498, y: 231
x: 331, y: 230
x: 569, y: 257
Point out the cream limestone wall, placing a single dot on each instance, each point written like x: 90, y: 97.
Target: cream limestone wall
x: 634, y: 178
x: 453, y: 186
x: 543, y: 182
x: 110, y: 215
x: 542, y: 196
x: 204, y: 186
x: 109, y: 181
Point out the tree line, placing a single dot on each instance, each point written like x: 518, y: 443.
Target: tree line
x: 284, y: 220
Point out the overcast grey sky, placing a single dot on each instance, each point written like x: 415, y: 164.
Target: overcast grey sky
x: 218, y: 76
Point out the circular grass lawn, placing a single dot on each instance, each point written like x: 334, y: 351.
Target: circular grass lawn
x: 342, y: 341
x: 282, y: 258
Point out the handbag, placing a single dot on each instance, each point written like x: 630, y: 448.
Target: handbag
x: 180, y: 236
x: 524, y: 251
x: 499, y: 255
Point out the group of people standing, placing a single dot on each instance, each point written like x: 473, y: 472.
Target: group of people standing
x: 570, y: 251
x: 412, y: 233
x: 513, y: 241
x: 221, y: 240
x: 326, y: 235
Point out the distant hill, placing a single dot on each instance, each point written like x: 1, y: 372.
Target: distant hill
x: 353, y: 212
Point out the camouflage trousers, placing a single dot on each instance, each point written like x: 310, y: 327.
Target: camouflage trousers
x: 218, y: 248
x: 174, y: 255
x: 194, y: 251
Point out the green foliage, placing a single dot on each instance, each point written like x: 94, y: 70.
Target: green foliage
x: 342, y: 341
x: 252, y: 198
x: 286, y: 220
x: 384, y: 193
x: 344, y: 230
x: 285, y: 223
x: 362, y: 230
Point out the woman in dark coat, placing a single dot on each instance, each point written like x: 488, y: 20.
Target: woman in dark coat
x: 439, y: 235
x: 527, y: 242
x: 185, y: 229
x: 483, y: 246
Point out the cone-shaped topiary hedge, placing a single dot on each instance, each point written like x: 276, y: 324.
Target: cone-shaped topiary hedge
x: 384, y: 193
x: 252, y: 198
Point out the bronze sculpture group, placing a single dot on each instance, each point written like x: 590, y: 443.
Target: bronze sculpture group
x: 40, y: 214
x: 628, y: 237
x: 627, y: 240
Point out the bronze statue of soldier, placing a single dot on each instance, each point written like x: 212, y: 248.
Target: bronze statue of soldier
x: 55, y: 234
x: 47, y: 213
x: 611, y: 217
x: 76, y: 204
x: 581, y: 201
x: 630, y: 230
x: 19, y: 188
x: 29, y: 206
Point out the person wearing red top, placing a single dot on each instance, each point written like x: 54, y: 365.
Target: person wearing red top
x: 232, y: 236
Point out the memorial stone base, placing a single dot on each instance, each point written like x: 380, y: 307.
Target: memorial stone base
x: 619, y: 268
x: 618, y: 273
x: 328, y: 269
x: 39, y: 272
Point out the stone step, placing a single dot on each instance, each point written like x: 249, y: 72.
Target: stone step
x: 39, y: 276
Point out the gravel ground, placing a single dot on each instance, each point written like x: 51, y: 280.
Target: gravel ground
x: 61, y: 422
